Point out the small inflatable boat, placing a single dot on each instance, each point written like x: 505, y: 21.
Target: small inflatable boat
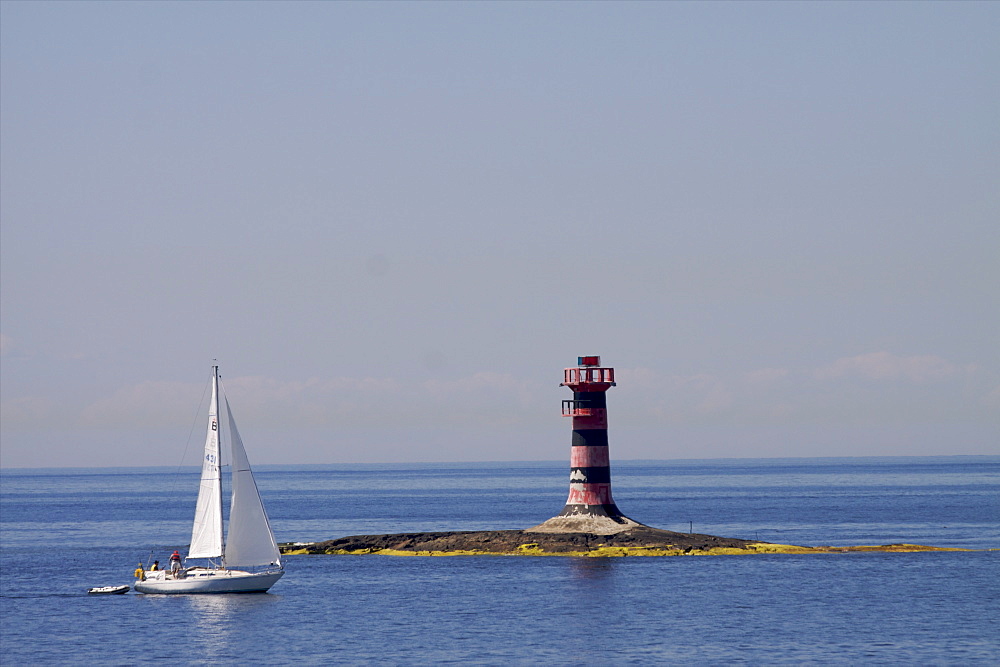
x: 108, y: 590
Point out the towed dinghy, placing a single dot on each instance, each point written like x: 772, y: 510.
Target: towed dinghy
x: 108, y: 590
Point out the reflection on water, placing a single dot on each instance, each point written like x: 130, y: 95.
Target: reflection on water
x: 221, y: 605
x: 215, y: 627
x: 215, y: 614
x: 213, y: 619
x: 592, y: 568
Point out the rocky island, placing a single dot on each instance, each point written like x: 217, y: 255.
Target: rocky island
x: 637, y: 541
x: 590, y: 523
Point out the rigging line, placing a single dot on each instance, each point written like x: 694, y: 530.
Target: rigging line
x: 223, y: 449
x: 226, y: 451
x: 225, y: 434
x: 194, y: 424
x: 175, y: 482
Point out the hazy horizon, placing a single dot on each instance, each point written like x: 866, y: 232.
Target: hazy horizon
x: 195, y: 468
x: 394, y: 224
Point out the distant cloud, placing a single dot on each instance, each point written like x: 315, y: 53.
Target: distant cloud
x: 702, y: 397
x: 641, y: 378
x: 26, y: 410
x: 766, y: 376
x: 679, y: 398
x: 484, y: 397
x: 843, y: 391
x: 886, y: 366
x: 256, y: 389
x: 484, y: 381
x: 992, y: 399
x: 149, y: 404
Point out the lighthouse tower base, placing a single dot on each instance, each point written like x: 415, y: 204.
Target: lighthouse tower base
x: 595, y: 525
x: 595, y: 520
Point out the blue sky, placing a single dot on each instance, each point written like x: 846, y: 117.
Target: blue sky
x: 394, y: 224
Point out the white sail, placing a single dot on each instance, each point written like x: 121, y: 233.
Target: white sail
x: 250, y: 541
x: 206, y: 535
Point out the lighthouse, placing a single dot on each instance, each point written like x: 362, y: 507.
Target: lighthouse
x: 590, y: 507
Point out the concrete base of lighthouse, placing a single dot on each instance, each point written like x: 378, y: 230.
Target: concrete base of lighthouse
x: 586, y: 523
x: 593, y: 519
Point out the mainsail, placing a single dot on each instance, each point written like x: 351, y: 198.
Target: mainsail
x: 250, y: 541
x: 206, y: 535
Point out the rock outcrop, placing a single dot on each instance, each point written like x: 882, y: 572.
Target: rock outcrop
x: 517, y: 542
x: 637, y: 541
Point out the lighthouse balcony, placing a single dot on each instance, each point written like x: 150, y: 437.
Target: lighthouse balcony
x: 589, y: 375
x: 571, y: 408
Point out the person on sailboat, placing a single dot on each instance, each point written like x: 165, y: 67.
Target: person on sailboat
x: 175, y: 562
x: 156, y: 566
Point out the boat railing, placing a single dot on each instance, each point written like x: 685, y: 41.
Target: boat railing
x: 258, y: 569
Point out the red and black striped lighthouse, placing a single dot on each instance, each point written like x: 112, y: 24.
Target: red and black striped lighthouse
x: 589, y: 507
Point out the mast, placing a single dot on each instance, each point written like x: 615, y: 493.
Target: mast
x: 218, y: 442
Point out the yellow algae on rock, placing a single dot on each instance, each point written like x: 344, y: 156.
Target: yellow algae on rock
x: 457, y: 552
x: 771, y: 548
x: 719, y: 551
x: 894, y: 548
x: 621, y: 552
x: 602, y: 550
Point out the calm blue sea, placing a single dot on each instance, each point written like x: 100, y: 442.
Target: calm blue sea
x: 65, y: 530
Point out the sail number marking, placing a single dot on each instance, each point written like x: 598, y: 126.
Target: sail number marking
x: 211, y: 457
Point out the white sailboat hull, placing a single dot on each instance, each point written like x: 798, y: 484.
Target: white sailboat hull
x: 200, y: 580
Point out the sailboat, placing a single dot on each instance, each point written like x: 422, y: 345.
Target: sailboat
x: 248, y: 561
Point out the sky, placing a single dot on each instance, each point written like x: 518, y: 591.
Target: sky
x: 394, y: 224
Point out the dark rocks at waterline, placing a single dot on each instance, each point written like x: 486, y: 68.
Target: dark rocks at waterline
x: 510, y: 541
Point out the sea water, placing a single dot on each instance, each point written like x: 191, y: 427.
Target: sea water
x: 63, y: 531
